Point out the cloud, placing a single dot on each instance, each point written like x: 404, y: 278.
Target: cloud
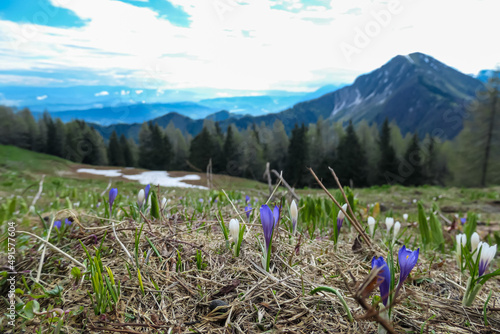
x: 124, y: 92
x: 231, y: 44
x: 103, y: 93
x: 6, y: 102
x: 139, y: 91
x: 41, y: 98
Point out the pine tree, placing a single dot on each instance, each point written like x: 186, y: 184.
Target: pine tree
x: 231, y: 153
x: 128, y: 158
x: 479, y: 141
x: 296, y: 172
x: 388, y: 163
x: 145, y: 146
x: 115, y: 153
x: 413, y: 164
x: 201, y: 150
x: 351, y: 160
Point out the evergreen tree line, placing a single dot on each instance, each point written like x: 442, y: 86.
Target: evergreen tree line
x: 361, y: 155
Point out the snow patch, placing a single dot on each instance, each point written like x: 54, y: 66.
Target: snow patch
x: 152, y: 177
x: 409, y: 59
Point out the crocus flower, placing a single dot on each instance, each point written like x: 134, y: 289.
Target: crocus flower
x: 407, y: 261
x: 146, y: 191
x: 463, y: 220
x: 405, y: 216
x: 140, y: 198
x: 234, y: 229
x: 268, y: 222
x: 112, y: 195
x: 461, y: 241
x: 200, y: 200
x: 57, y: 224
x: 340, y: 217
x: 389, y: 221
x: 397, y: 227
x: 371, y: 224
x: 474, y: 241
x: 276, y: 214
x: 67, y: 222
x: 294, y: 214
x: 248, y: 210
x: 383, y: 277
x: 487, y: 254
x: 247, y: 199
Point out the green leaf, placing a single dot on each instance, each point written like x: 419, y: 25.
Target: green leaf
x: 31, y: 307
x: 155, y: 208
x: 423, y: 225
x: 56, y: 292
x: 436, y: 231
x: 76, y: 273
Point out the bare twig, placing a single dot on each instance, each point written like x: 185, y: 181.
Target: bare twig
x: 294, y: 195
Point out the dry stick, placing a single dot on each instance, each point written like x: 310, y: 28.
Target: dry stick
x: 294, y: 195
x: 147, y: 221
x: 53, y: 247
x: 121, y: 244
x: 109, y: 186
x: 38, y: 194
x: 355, y: 224
x: 348, y: 205
x: 267, y: 174
x: 44, y: 250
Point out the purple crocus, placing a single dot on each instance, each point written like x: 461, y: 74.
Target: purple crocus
x: 146, y: 192
x: 67, y: 222
x: 463, y: 220
x: 383, y: 277
x: 248, y: 210
x: 268, y: 222
x: 112, y: 195
x: 341, y: 217
x: 247, y: 199
x: 57, y: 224
x: 276, y: 214
x: 407, y: 261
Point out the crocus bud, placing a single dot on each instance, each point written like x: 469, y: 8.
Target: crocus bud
x: 140, y: 198
x: 234, y: 229
x: 340, y: 217
x: 294, y: 213
x: 397, y: 227
x: 461, y: 241
x: 405, y: 216
x: 474, y: 241
x: 112, y: 196
x: 389, y: 222
x: 371, y: 225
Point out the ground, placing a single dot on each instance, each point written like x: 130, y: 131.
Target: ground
x: 179, y: 260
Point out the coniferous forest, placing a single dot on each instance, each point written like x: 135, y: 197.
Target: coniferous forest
x: 362, y: 154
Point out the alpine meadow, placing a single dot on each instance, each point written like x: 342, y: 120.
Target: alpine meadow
x: 227, y: 166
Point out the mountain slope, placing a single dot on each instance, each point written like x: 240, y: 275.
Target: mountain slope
x: 417, y: 91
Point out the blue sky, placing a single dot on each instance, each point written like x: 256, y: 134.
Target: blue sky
x: 244, y: 45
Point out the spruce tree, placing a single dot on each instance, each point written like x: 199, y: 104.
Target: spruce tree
x: 145, y: 146
x: 128, y: 158
x: 388, y: 163
x: 115, y: 153
x: 201, y: 150
x: 230, y: 153
x: 350, y: 164
x: 414, y: 165
x: 296, y: 170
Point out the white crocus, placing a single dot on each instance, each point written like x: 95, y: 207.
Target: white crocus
x: 163, y: 203
x: 341, y: 214
x: 487, y: 254
x: 389, y: 222
x: 461, y: 241
x: 140, y: 198
x: 371, y: 225
x: 474, y: 241
x: 397, y: 227
x: 234, y: 229
x: 294, y: 214
x: 405, y: 217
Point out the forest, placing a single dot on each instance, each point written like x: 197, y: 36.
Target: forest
x: 364, y: 154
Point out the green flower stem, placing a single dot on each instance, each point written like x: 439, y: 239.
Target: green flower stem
x: 342, y: 300
x: 471, y: 292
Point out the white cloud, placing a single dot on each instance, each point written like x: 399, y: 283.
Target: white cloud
x: 139, y: 91
x: 287, y: 50
x: 124, y: 92
x: 41, y: 98
x: 103, y: 93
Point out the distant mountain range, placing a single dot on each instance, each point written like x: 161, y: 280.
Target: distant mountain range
x: 417, y: 91
x: 108, y: 105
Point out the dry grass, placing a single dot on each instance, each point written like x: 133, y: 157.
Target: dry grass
x: 257, y: 301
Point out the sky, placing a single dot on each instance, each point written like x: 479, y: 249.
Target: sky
x: 245, y: 45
